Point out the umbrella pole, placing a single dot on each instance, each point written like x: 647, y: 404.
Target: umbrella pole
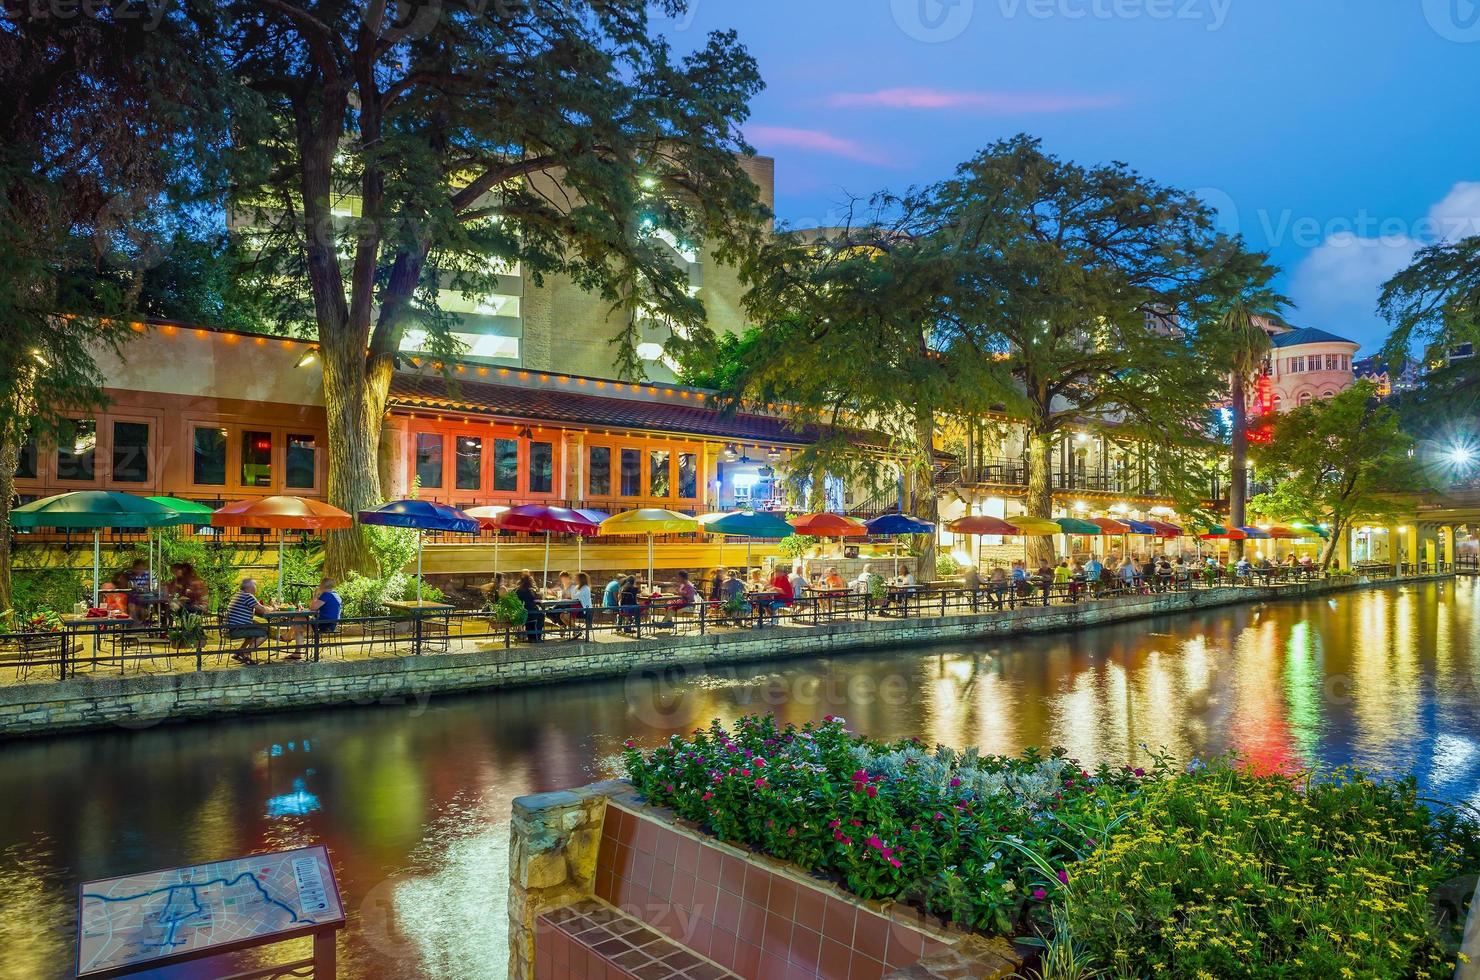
x: 281, y: 535
x: 420, y: 537
x: 97, y: 562
x: 496, y: 535
x: 650, y: 559
x: 545, y: 577
x: 747, y: 559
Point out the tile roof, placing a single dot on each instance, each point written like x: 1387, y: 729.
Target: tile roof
x: 657, y: 413
x: 1307, y: 335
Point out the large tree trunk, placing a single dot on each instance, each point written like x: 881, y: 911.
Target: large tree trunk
x: 1238, y: 467
x: 1040, y: 493
x: 10, y: 448
x: 925, y: 505
x: 355, y: 394
x: 1328, y: 550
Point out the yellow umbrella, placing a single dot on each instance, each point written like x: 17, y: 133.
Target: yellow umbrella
x: 649, y: 521
x: 1035, y: 527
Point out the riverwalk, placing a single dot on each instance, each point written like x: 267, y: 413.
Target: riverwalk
x: 86, y: 687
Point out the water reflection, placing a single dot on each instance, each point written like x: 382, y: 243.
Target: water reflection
x: 413, y: 800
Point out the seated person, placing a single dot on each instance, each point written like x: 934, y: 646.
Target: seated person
x: 242, y: 623
x: 864, y: 582
x: 833, y: 580
x: 534, y: 616
x: 140, y: 585
x: 688, y: 596
x: 327, y: 604
x: 494, y: 590
x: 580, y: 594
x: 628, y: 608
x: 609, y: 595
x: 733, y: 591
x: 191, y: 593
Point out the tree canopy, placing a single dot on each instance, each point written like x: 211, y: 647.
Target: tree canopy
x: 1337, y: 461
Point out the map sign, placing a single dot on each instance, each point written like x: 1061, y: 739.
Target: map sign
x: 148, y: 919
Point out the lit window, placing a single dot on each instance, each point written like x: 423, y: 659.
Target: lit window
x: 631, y: 473
x: 77, y: 445
x: 256, y: 459
x: 209, y: 466
x: 429, y: 459
x: 301, y: 464
x: 541, y: 467
x: 658, y: 479
x: 599, y: 479
x: 688, y: 476
x: 469, y: 463
x: 506, y: 465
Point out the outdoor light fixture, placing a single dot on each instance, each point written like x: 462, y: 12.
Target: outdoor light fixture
x: 306, y: 359
x: 774, y: 455
x: 731, y: 453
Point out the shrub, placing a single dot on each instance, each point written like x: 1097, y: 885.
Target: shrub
x: 964, y: 836
x: 37, y: 589
x: 365, y: 595
x: 1222, y: 872
x: 946, y: 565
x: 508, y: 610
x: 797, y: 545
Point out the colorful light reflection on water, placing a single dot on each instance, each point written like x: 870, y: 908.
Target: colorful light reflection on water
x: 413, y: 799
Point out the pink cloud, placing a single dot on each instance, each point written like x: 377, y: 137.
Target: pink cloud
x: 816, y: 141
x: 1003, y: 103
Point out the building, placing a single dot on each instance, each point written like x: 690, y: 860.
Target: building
x: 1389, y: 381
x: 1306, y: 364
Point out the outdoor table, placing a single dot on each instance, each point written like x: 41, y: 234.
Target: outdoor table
x: 823, y: 596
x: 96, y: 625
x: 421, y: 610
x: 289, y: 618
x: 900, y: 595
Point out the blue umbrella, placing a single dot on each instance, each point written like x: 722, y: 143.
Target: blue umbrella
x: 893, y: 525
x: 422, y: 516
x: 1138, y: 527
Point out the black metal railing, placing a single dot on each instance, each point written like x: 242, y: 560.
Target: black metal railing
x: 100, y: 645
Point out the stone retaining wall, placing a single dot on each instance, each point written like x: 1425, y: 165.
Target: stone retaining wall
x: 101, y: 700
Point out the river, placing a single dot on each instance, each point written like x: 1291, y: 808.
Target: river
x: 413, y: 799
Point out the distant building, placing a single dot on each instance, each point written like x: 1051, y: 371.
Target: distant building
x: 1306, y: 364
x: 1388, y: 379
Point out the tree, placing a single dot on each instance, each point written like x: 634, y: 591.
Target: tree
x: 564, y: 136
x: 846, y: 338
x: 1336, y: 461
x: 109, y: 116
x: 1086, y: 286
x: 1248, y: 346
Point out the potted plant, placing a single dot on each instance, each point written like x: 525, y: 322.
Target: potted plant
x: 508, y: 611
x: 187, y: 631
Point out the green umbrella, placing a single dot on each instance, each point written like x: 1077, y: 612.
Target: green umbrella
x: 187, y: 511
x: 95, y: 509
x: 1073, y: 525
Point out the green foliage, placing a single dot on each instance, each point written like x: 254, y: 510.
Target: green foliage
x: 36, y: 589
x: 1335, y: 460
x: 1435, y: 302
x: 797, y: 545
x: 508, y: 610
x: 187, y: 631
x: 946, y: 566
x: 1224, y: 872
x: 366, y: 595
x: 303, y: 564
x: 394, y: 548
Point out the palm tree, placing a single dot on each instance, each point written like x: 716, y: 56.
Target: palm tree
x: 1249, y: 345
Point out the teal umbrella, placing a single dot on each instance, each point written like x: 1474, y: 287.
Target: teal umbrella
x: 744, y: 524
x: 187, y: 512
x: 95, y: 509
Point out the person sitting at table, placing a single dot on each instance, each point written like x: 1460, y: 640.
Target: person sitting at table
x: 716, y: 586
x: 628, y: 608
x: 1093, y: 572
x: 140, y: 586
x: 534, y: 615
x: 611, y: 592
x: 863, y: 584
x: 1063, y: 577
x: 997, y: 583
x: 580, y: 594
x: 1241, y: 570
x: 781, y: 590
x: 191, y: 593
x: 242, y: 623
x: 1130, y: 575
x: 797, y: 581
x: 971, y: 581
x: 731, y: 590
x: 558, y: 612
x: 688, y: 596
x: 494, y: 590
x: 328, y: 607
x: 832, y: 580
x: 1020, y: 583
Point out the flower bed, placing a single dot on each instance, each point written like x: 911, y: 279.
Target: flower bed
x: 1212, y: 871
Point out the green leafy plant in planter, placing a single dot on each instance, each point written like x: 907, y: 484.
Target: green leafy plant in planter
x: 946, y: 565
x: 508, y: 611
x: 877, y: 587
x: 187, y: 631
x: 735, y: 607
x: 797, y: 545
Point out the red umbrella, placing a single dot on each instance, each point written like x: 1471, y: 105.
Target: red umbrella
x: 1110, y: 526
x: 829, y: 526
x: 1165, y: 530
x: 283, y: 514
x: 539, y: 519
x: 981, y: 524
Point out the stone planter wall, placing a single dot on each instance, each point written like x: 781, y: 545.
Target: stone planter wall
x: 657, y: 898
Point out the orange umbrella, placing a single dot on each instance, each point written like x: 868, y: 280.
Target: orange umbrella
x: 982, y: 524
x: 829, y: 526
x: 283, y: 514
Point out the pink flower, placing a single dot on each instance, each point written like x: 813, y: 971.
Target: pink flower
x: 706, y: 797
x: 1039, y: 894
x: 1063, y: 876
x: 760, y: 783
x: 888, y: 852
x: 1139, y: 773
x: 834, y: 824
x: 873, y: 791
x: 955, y: 782
x: 758, y: 762
x: 895, y: 862
x: 939, y: 815
x: 874, y: 842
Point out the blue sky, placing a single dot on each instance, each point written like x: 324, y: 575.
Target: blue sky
x: 1338, y: 134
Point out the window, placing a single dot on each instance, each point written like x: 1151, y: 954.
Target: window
x: 429, y: 459
x: 541, y: 467
x: 658, y: 485
x: 77, y: 449
x: 1305, y: 398
x: 688, y: 476
x: 25, y: 464
x: 210, y: 457
x: 469, y: 463
x: 506, y: 465
x: 256, y: 459
x: 1333, y: 362
x: 131, y: 452
x: 599, y: 481
x: 299, y: 468
x: 1328, y: 394
x: 1297, y: 365
x: 631, y: 473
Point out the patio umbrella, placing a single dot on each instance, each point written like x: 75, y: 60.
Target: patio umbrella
x: 893, y: 525
x: 421, y: 516
x: 595, y: 517
x: 649, y: 521
x: 1164, y: 530
x: 1217, y: 532
x: 1035, y: 527
x: 981, y: 524
x: 826, y: 525
x: 1255, y: 534
x: 744, y: 524
x: 1073, y: 525
x: 1279, y: 532
x: 1312, y: 527
x: 539, y: 519
x: 282, y: 513
x: 487, y: 518
x: 94, y: 509
x: 189, y: 511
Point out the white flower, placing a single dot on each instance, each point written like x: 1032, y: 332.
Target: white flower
x: 1008, y: 886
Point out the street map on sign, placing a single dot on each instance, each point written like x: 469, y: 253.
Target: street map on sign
x: 137, y: 919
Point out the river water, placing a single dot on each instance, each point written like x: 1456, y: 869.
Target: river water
x: 413, y: 799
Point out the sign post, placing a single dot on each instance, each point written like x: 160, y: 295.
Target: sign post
x: 208, y: 912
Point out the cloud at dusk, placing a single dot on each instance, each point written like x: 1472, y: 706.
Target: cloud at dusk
x: 991, y: 103
x: 816, y: 141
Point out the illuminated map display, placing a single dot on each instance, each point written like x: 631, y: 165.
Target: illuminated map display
x: 184, y: 913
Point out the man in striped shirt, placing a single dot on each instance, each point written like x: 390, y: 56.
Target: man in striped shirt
x: 241, y: 622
